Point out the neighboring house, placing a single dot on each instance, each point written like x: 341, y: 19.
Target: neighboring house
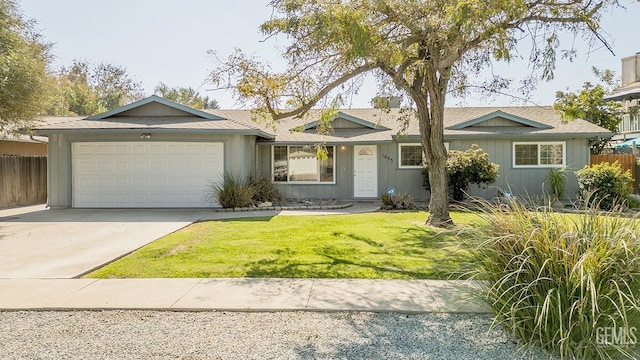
x: 22, y: 145
x: 28, y: 145
x: 156, y: 153
x: 629, y: 95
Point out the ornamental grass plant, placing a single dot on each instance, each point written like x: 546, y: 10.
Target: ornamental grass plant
x: 569, y: 283
x: 231, y: 192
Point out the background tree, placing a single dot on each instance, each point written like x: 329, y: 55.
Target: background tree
x: 84, y: 89
x: 589, y: 104
x: 425, y: 49
x: 24, y: 58
x: 186, y: 96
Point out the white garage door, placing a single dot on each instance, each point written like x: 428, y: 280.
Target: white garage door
x: 144, y: 174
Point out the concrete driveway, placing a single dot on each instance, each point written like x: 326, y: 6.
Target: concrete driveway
x: 40, y: 243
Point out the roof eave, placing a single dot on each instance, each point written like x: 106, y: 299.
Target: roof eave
x: 332, y: 142
x: 47, y: 132
x: 541, y: 137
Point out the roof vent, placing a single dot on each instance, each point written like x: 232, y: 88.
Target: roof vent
x: 386, y: 102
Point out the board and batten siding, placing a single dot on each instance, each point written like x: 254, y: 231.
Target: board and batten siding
x: 525, y: 182
x: 521, y: 182
x: 239, y: 156
x: 390, y: 175
x: 341, y: 189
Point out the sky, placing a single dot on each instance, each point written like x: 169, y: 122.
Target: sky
x: 167, y: 41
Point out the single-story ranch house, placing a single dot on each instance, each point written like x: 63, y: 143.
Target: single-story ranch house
x: 156, y: 153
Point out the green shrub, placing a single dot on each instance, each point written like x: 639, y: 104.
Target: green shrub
x: 603, y: 185
x: 467, y: 167
x: 265, y: 190
x: 402, y: 201
x: 562, y: 282
x: 232, y: 192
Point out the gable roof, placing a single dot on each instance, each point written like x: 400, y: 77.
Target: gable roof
x: 349, y: 118
x: 373, y: 125
x: 500, y: 114
x: 155, y: 99
x: 180, y: 119
x: 535, y: 122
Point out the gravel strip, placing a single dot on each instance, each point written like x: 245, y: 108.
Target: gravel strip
x: 219, y: 335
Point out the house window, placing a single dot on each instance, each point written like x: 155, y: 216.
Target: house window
x: 544, y: 154
x: 411, y: 156
x: 299, y: 164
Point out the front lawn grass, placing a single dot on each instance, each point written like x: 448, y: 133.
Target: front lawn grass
x: 365, y: 246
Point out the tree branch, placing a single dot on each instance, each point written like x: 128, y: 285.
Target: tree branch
x: 306, y: 106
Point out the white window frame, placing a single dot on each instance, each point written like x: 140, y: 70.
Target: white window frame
x: 538, y: 143
x: 302, y: 182
x: 400, y: 145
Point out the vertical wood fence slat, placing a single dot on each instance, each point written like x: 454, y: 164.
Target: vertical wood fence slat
x: 23, y: 180
x: 626, y: 161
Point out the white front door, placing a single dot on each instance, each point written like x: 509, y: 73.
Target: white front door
x: 365, y: 173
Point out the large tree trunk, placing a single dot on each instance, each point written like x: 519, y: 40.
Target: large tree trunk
x: 431, y: 120
x: 439, y: 200
x: 436, y: 158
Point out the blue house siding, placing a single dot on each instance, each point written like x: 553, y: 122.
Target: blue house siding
x: 522, y: 182
x: 341, y: 189
x: 525, y: 182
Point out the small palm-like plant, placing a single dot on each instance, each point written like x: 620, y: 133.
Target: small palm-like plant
x: 557, y: 181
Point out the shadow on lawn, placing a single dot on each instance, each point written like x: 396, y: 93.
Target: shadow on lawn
x: 430, y: 255
x: 336, y: 267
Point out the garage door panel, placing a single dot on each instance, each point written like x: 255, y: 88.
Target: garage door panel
x: 84, y: 149
x: 104, y: 149
x: 104, y: 199
x: 105, y: 183
x: 104, y: 167
x: 157, y: 165
x: 175, y: 181
x: 211, y: 149
x: 122, y: 200
x: 139, y: 166
x: 157, y: 149
x: 122, y: 149
x: 136, y: 174
x: 86, y: 166
x: 175, y: 166
x: 174, y: 149
x: 138, y: 149
x: 122, y: 166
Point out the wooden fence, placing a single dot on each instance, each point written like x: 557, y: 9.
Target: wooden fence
x: 626, y: 161
x: 23, y: 180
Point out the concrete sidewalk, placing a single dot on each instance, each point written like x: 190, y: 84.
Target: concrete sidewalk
x: 242, y: 294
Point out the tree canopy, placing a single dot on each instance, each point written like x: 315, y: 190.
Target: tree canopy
x: 24, y: 59
x: 589, y: 104
x: 423, y: 49
x: 187, y: 96
x: 84, y: 89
